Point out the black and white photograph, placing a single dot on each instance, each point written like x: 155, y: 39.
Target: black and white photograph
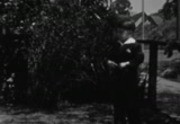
x: 90, y: 62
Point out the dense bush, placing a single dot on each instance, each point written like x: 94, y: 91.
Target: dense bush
x: 54, y: 48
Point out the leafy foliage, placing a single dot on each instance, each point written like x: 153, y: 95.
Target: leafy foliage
x: 59, y: 45
x: 169, y: 9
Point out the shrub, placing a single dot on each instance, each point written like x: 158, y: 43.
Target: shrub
x: 63, y: 45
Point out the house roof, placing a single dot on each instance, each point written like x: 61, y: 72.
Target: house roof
x: 137, y: 16
x: 157, y: 19
x: 138, y: 19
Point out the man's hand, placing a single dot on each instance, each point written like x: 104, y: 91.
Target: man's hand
x: 112, y: 64
x: 124, y: 64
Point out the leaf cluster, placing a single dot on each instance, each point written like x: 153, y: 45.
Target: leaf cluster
x: 62, y: 42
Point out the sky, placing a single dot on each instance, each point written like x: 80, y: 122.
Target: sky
x: 150, y: 6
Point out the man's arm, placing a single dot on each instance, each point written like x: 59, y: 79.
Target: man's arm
x: 112, y: 64
x: 137, y: 58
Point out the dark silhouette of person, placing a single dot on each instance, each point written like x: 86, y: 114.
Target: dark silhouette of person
x: 123, y: 62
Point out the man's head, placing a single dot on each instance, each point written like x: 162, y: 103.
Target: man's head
x: 128, y: 28
x: 124, y: 28
x: 128, y: 25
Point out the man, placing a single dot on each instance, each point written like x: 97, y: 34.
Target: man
x: 124, y: 60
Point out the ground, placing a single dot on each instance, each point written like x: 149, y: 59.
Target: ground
x: 168, y: 99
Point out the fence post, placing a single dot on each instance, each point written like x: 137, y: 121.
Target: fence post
x: 152, y: 74
x: 178, y: 19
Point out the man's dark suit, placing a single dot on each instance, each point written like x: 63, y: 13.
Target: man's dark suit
x: 125, y: 81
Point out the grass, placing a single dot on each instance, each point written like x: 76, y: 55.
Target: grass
x: 78, y: 114
x: 169, y: 103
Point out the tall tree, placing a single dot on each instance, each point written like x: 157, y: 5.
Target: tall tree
x: 121, y: 6
x: 169, y: 9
